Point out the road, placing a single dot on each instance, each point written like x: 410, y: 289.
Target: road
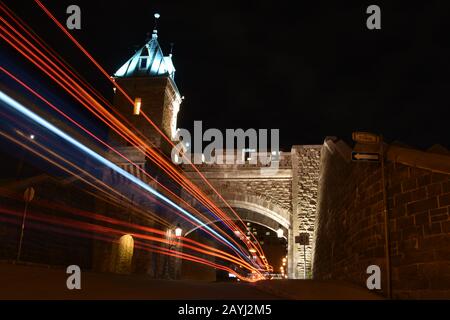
x: 36, y: 282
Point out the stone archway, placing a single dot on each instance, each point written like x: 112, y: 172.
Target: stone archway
x: 251, y: 216
x: 254, y: 208
x: 256, y: 203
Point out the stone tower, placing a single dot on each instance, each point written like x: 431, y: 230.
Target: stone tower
x: 148, y: 76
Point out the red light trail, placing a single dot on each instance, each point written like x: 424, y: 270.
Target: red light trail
x: 55, y: 68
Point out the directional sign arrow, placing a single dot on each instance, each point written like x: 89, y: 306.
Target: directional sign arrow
x: 361, y: 156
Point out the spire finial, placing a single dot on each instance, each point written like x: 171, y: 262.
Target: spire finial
x: 155, y: 29
x: 171, y: 49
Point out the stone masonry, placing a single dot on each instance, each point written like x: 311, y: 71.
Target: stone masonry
x: 305, y: 179
x: 287, y: 198
x: 350, y: 224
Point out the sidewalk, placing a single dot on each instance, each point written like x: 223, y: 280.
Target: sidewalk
x: 316, y: 290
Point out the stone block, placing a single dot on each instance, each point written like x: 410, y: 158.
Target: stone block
x: 422, y: 218
x: 421, y: 205
x: 404, y: 222
x: 408, y: 185
x: 434, y: 189
x: 446, y: 187
x: 424, y: 180
x: 438, y: 177
x: 433, y: 228
x: 444, y: 200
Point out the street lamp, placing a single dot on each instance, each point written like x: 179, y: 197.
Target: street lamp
x: 178, y: 231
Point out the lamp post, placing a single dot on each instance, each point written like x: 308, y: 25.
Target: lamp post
x: 28, y: 196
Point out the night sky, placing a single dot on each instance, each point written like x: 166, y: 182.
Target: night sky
x: 311, y: 69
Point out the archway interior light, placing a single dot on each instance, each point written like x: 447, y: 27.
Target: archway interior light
x: 280, y: 232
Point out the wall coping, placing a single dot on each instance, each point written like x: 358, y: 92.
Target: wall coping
x: 434, y: 162
x: 415, y: 158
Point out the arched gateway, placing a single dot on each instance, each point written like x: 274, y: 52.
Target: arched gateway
x: 286, y: 198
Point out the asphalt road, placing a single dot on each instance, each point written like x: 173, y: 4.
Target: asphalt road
x: 36, y: 282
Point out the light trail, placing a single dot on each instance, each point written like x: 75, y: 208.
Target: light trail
x: 34, y: 117
x: 90, y: 227
x: 101, y: 218
x: 103, y: 71
x: 81, y: 175
x: 172, y: 173
x: 109, y: 147
x: 76, y: 89
x: 67, y: 67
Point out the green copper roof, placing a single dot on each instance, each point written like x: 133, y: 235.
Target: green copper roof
x: 148, y: 61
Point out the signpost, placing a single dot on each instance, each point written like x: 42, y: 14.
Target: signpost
x: 365, y: 138
x: 371, y: 149
x: 303, y: 240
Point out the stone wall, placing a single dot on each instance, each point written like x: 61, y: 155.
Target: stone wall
x: 288, y: 197
x: 305, y: 178
x: 350, y: 224
x: 419, y: 203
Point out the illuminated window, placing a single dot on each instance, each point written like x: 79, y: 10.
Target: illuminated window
x: 137, y: 106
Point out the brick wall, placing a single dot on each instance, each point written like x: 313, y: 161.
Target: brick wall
x: 419, y: 202
x: 350, y: 225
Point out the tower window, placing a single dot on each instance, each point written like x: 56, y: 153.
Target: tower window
x: 143, y: 63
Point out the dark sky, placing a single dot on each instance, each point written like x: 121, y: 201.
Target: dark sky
x: 311, y: 69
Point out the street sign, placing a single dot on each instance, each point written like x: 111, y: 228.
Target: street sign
x: 302, y: 239
x: 365, y: 156
x: 365, y: 137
